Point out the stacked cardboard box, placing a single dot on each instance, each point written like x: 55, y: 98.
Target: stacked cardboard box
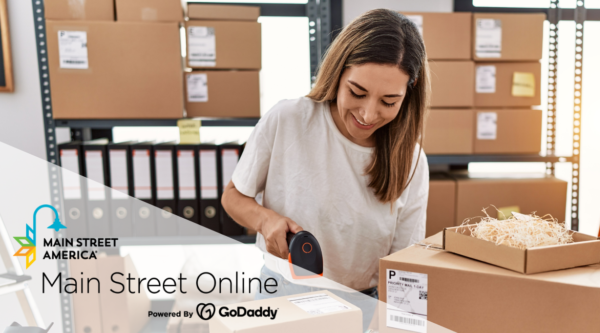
x: 224, y: 51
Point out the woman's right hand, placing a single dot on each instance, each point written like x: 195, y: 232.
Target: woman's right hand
x: 274, y: 228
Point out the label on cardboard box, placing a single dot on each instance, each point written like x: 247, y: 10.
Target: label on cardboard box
x: 418, y: 21
x: 488, y: 38
x: 406, y: 300
x: 197, y: 88
x: 318, y: 304
x: 485, y: 79
x: 523, y: 84
x: 72, y: 49
x: 486, y: 125
x: 202, y: 50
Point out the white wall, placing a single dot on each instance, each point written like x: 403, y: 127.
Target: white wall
x: 353, y: 8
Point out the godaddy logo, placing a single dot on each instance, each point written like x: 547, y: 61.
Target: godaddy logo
x: 28, y: 242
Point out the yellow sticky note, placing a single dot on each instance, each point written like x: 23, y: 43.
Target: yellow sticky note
x: 189, y: 130
x: 523, y: 84
x: 506, y: 212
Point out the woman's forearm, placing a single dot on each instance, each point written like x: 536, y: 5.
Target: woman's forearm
x: 243, y: 209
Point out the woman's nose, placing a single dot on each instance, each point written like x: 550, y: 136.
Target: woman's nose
x: 369, y: 112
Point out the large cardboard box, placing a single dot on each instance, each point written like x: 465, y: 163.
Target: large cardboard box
x: 466, y: 295
x: 209, y: 94
x: 507, y: 131
x: 223, y: 12
x: 223, y: 44
x: 89, y: 10
x: 449, y: 131
x: 514, y: 84
x: 441, y: 205
x: 452, y: 83
x: 293, y: 315
x: 447, y: 36
x: 149, y: 10
x: 508, y: 37
x: 524, y: 193
x: 113, y: 70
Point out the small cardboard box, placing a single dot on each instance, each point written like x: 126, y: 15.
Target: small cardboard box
x: 449, y: 131
x: 223, y: 12
x: 149, y: 10
x: 452, y: 83
x: 469, y: 296
x: 514, y: 84
x: 223, y: 44
x: 115, y: 70
x: 585, y: 250
x: 291, y: 317
x: 447, y: 36
x: 209, y: 94
x: 89, y: 10
x: 508, y: 37
x: 498, y: 131
x: 441, y: 204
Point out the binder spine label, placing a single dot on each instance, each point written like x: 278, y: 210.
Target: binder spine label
x: 208, y: 174
x: 118, y: 174
x: 187, y: 177
x: 141, y: 174
x: 230, y: 159
x: 71, y: 184
x: 95, y: 173
x: 164, y: 175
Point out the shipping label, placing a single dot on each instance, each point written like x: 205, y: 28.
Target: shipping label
x: 319, y: 304
x: 488, y: 38
x: 486, y: 125
x: 485, y: 79
x: 202, y: 50
x: 406, y: 300
x: 418, y: 21
x: 197, y: 88
x: 72, y: 49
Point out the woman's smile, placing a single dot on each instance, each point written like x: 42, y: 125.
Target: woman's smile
x: 360, y: 124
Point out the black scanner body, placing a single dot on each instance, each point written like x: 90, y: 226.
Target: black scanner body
x: 305, y: 253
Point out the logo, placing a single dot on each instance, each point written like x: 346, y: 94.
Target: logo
x: 28, y: 243
x: 205, y: 311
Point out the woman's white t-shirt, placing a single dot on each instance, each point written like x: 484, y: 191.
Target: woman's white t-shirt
x: 315, y: 176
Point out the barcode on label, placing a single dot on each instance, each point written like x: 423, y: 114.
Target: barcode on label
x: 409, y: 280
x: 409, y: 321
x: 422, y: 295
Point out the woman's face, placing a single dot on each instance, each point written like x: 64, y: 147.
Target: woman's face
x: 369, y: 96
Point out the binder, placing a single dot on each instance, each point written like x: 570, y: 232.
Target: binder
x: 96, y: 169
x: 187, y: 175
x: 73, y: 188
x: 209, y: 187
x: 121, y: 183
x: 165, y: 194
x: 229, y: 154
x: 142, y: 169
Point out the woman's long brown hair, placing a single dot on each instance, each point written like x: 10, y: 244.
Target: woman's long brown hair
x: 383, y: 36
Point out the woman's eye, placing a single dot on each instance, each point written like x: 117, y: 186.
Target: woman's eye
x: 356, y: 95
x: 388, y: 105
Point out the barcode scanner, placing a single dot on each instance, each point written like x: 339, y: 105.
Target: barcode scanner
x: 305, y: 253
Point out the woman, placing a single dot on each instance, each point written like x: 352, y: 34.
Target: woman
x: 344, y: 162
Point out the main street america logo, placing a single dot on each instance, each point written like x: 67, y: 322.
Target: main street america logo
x: 27, y: 243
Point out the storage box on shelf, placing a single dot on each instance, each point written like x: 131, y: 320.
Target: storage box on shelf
x: 149, y: 10
x: 90, y: 10
x: 449, y: 131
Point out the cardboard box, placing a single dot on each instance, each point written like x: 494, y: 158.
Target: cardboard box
x: 585, y: 250
x: 449, y: 131
x: 524, y: 193
x: 149, y: 10
x: 223, y: 44
x: 89, y: 10
x: 441, y: 205
x: 452, y: 83
x: 291, y: 317
x: 223, y: 12
x: 86, y: 305
x: 516, y: 131
x: 508, y: 37
x: 447, y: 36
x: 514, y: 84
x: 127, y: 70
x: 209, y: 94
x: 469, y: 296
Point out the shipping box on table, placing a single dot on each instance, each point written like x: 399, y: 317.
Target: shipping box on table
x: 469, y: 296
x: 223, y: 44
x: 508, y: 84
x: 114, y: 70
x: 522, y: 193
x: 508, y: 37
x: 293, y: 316
x: 585, y: 250
x: 449, y: 131
x: 149, y: 10
x: 441, y: 204
x: 452, y: 83
x: 90, y: 10
x: 223, y: 12
x: 447, y: 36
x: 507, y: 131
x: 209, y: 94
